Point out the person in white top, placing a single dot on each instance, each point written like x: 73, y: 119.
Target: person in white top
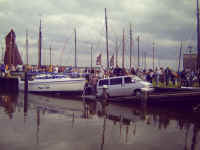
x: 55, y: 69
x: 158, y: 73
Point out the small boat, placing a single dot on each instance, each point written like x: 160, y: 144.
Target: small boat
x: 53, y: 83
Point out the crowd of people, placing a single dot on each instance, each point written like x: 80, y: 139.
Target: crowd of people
x: 160, y: 77
x: 167, y: 77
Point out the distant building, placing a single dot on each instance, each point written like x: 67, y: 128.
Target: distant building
x: 190, y: 61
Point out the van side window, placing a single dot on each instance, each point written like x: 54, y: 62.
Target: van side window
x: 103, y: 82
x: 115, y: 81
x: 127, y: 80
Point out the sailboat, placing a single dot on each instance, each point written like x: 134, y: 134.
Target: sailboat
x: 53, y: 82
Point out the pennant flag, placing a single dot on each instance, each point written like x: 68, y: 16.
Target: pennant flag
x: 112, y: 61
x: 98, y: 61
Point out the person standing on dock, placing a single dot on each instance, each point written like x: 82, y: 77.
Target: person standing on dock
x: 157, y: 76
x: 198, y: 77
x: 167, y: 76
x: 2, y: 70
x: 183, y: 78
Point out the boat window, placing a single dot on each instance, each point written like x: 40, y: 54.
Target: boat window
x: 115, y: 81
x: 103, y: 82
x: 127, y: 80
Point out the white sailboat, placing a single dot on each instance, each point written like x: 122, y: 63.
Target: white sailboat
x: 49, y: 82
x: 54, y: 83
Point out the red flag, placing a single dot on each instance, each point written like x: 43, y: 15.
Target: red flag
x: 98, y: 61
x: 112, y: 61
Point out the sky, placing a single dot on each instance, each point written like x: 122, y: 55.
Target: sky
x: 164, y: 22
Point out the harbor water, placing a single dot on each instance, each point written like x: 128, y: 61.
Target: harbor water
x: 38, y: 122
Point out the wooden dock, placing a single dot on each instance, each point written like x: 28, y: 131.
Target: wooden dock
x: 9, y: 84
x: 158, y: 96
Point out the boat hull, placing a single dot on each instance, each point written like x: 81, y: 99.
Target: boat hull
x: 54, y: 85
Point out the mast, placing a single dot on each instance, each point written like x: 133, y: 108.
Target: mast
x: 198, y: 38
x: 130, y: 46
x: 75, y: 61
x: 138, y: 39
x: 10, y: 49
x: 91, y: 58
x: 27, y: 47
x: 106, y: 39
x: 142, y: 65
x: 40, y: 46
x: 123, y: 49
x: 179, y: 59
x: 50, y: 54
x: 2, y: 53
x: 153, y: 53
x: 145, y: 60
x: 116, y: 49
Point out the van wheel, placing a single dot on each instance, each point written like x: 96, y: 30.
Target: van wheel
x: 137, y: 93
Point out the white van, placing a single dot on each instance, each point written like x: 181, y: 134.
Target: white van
x: 122, y: 86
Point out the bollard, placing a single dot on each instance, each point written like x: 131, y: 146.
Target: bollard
x: 105, y: 94
x: 25, y: 82
x: 25, y: 93
x: 144, y: 98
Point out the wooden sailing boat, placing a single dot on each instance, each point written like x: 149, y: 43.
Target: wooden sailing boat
x: 12, y: 55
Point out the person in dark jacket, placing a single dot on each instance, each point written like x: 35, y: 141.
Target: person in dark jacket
x: 167, y: 75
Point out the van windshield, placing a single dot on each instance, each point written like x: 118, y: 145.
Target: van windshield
x: 136, y: 78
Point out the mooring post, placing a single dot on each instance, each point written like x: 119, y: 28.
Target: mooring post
x: 105, y: 94
x: 25, y: 82
x: 145, y: 96
x: 25, y: 92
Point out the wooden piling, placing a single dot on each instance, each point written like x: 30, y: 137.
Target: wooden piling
x: 25, y: 82
x: 144, y: 97
x: 25, y: 92
x: 105, y: 95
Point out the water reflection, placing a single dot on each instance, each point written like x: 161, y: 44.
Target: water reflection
x: 162, y: 118
x: 8, y: 102
x: 38, y: 125
x: 116, y: 123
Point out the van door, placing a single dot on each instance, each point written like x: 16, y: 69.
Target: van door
x: 100, y: 85
x: 128, y: 85
x: 115, y: 88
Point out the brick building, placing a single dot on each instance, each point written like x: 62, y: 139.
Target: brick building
x: 190, y: 61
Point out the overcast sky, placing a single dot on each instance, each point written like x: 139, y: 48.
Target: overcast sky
x: 167, y: 22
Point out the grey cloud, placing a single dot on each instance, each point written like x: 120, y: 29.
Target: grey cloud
x: 161, y: 20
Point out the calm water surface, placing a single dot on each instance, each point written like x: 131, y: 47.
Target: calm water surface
x: 52, y: 123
